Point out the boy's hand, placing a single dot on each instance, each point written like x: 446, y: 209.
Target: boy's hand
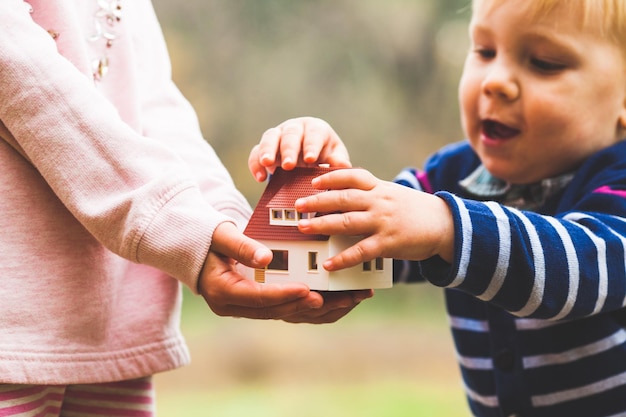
x: 396, y: 221
x: 228, y: 293
x: 299, y: 141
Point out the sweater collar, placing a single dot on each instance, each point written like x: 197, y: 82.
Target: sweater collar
x: 481, y: 184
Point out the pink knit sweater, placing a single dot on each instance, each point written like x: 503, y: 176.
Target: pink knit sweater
x: 107, y: 190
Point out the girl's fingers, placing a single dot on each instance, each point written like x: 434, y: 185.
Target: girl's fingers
x: 322, y: 145
x: 338, y: 158
x: 316, y: 138
x: 336, y: 305
x: 258, y: 171
x: 246, y: 298
x: 299, y: 141
x: 268, y: 146
x: 290, y: 143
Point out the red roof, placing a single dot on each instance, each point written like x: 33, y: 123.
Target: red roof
x: 283, y: 189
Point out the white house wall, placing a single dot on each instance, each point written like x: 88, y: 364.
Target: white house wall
x: 356, y: 278
x: 346, y: 279
x: 299, y: 263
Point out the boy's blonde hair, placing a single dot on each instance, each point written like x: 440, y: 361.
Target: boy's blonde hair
x: 608, y: 15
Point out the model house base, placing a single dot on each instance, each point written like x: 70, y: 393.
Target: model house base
x: 298, y: 256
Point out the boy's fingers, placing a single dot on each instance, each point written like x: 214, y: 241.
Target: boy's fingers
x: 334, y: 201
x: 352, y: 223
x: 346, y: 178
x: 353, y: 256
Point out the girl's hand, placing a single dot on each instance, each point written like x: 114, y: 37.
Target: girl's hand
x: 396, y: 221
x: 294, y: 142
x: 228, y: 293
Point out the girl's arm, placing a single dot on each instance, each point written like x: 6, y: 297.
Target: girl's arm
x: 123, y: 175
x: 130, y: 191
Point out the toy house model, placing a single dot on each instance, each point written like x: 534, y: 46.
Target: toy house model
x: 298, y: 256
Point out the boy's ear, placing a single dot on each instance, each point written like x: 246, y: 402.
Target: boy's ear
x: 622, y: 117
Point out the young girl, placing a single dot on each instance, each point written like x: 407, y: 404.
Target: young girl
x: 108, y: 193
x: 524, y: 224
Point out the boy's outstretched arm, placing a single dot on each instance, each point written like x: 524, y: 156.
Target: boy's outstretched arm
x: 396, y: 222
x: 228, y: 293
x: 299, y: 141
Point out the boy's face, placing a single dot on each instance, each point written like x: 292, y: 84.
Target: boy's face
x: 538, y: 96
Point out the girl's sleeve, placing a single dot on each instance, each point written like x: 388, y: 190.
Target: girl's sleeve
x: 169, y: 118
x: 130, y: 191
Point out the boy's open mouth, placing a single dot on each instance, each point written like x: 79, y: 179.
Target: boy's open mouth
x: 497, y: 130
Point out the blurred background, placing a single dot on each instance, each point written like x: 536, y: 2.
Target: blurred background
x: 384, y: 75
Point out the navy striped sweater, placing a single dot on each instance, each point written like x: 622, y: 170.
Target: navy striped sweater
x: 536, y: 299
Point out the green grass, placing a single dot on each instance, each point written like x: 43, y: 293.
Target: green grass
x: 388, y: 399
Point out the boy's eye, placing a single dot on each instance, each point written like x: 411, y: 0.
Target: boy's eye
x: 547, y: 66
x: 485, y: 53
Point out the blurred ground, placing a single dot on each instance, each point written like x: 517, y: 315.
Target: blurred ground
x: 272, y: 367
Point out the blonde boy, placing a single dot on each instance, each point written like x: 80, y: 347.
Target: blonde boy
x: 523, y: 224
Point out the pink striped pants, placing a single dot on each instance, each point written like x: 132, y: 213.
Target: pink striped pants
x: 133, y: 398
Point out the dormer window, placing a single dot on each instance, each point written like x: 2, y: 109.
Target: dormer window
x: 277, y: 214
x: 290, y: 215
x: 287, y: 216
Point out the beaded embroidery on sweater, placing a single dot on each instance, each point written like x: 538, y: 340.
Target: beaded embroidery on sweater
x: 105, y: 20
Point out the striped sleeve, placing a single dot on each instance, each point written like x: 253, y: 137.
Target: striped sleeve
x: 533, y: 265
x: 408, y: 271
x: 413, y: 178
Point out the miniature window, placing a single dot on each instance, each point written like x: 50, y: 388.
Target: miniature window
x: 290, y: 215
x: 306, y: 215
x: 280, y: 261
x: 379, y: 264
x: 312, y: 261
x: 277, y: 214
x: 284, y: 216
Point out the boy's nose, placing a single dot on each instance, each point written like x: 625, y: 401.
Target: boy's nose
x: 500, y: 82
